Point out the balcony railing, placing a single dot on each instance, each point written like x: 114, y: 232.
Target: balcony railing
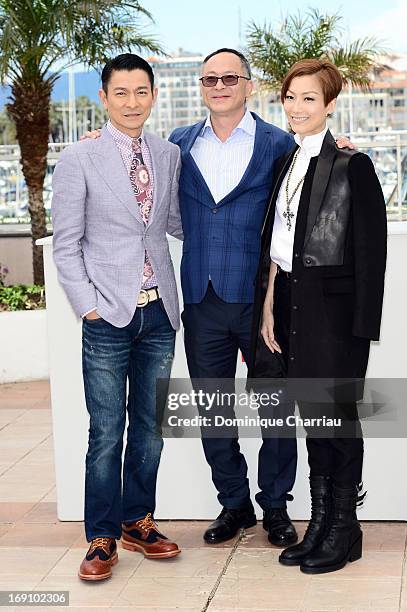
x: 388, y: 150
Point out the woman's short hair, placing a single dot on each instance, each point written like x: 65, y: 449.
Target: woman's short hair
x: 328, y: 75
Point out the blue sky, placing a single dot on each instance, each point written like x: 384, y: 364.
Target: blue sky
x: 205, y: 25
x: 209, y: 24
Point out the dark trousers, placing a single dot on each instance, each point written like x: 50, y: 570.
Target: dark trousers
x: 214, y: 331
x: 336, y: 456
x: 139, y: 353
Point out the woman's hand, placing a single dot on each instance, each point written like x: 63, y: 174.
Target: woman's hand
x: 267, y: 329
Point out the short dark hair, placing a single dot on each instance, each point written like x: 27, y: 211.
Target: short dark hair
x: 126, y: 61
x: 244, y: 61
x: 326, y: 72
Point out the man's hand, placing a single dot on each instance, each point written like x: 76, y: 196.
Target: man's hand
x: 267, y: 329
x: 92, y: 316
x: 342, y: 142
x: 93, y: 135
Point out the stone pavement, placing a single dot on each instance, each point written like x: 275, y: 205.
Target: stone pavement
x: 39, y: 552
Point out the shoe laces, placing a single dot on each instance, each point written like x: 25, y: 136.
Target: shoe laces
x: 227, y: 515
x: 100, y: 543
x: 276, y: 513
x: 147, y: 523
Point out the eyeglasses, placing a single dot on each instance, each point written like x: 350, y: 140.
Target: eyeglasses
x: 227, y: 79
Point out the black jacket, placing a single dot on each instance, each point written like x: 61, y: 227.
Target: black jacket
x: 338, y: 269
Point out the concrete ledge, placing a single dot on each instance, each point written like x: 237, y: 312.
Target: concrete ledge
x: 23, y: 345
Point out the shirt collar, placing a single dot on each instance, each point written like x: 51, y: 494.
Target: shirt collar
x: 311, y: 145
x: 120, y: 137
x: 247, y: 124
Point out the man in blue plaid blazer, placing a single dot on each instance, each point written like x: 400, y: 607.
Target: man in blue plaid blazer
x: 226, y: 179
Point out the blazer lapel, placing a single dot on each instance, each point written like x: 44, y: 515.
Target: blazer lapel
x: 107, y: 160
x: 319, y: 184
x: 159, y: 155
x: 188, y: 159
x: 262, y: 140
x: 193, y: 135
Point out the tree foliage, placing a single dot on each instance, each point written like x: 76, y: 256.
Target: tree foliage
x: 272, y: 51
x: 38, y: 40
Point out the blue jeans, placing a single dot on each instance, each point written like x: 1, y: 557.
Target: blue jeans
x: 141, y: 352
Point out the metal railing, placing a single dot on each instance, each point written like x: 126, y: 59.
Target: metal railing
x: 388, y: 151
x: 13, y: 190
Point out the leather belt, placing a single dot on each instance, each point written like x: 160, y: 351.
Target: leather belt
x: 146, y: 296
x: 283, y: 273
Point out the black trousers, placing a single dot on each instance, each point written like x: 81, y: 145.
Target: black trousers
x: 341, y: 454
x: 214, y: 331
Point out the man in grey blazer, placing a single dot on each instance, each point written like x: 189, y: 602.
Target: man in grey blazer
x: 115, y: 198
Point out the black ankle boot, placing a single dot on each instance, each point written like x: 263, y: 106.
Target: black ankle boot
x: 320, y: 510
x: 343, y: 540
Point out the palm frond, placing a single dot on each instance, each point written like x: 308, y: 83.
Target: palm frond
x: 357, y: 61
x: 39, y: 35
x: 272, y: 51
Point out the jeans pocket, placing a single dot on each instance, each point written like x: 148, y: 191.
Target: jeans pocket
x: 161, y: 304
x: 93, y: 321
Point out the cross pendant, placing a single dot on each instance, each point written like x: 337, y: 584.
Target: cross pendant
x: 288, y: 215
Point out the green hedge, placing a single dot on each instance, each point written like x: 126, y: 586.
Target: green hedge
x: 22, y: 297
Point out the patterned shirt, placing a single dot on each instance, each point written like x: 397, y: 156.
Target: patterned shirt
x: 124, y: 144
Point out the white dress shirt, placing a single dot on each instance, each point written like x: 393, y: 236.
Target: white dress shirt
x: 223, y: 164
x: 282, y: 242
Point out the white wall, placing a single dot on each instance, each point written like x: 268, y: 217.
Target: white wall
x: 23, y: 346
x: 185, y: 489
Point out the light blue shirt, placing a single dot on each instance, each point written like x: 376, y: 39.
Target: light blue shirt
x: 222, y: 164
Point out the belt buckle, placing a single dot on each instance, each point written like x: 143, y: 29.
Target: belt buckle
x: 145, y: 298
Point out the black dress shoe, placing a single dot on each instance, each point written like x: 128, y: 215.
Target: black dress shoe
x: 228, y: 524
x: 280, y: 528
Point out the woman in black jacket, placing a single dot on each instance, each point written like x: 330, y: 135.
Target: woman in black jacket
x: 319, y: 298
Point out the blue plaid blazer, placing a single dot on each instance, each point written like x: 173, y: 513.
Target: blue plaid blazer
x: 225, y: 246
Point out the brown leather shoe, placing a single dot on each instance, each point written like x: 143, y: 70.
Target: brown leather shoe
x: 143, y: 535
x: 97, y: 565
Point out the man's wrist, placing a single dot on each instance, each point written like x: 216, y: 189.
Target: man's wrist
x: 88, y: 312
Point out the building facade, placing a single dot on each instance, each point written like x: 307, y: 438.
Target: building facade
x: 179, y: 99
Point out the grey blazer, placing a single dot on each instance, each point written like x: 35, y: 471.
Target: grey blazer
x: 99, y: 236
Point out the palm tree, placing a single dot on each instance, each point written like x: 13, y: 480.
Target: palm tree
x: 315, y: 35
x: 38, y: 40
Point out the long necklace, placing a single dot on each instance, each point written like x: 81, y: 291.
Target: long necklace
x: 287, y: 214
